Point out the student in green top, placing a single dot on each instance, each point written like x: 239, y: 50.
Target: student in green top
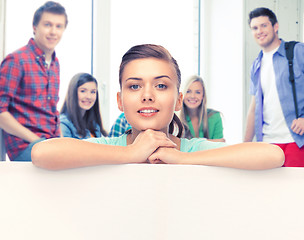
x: 198, y: 120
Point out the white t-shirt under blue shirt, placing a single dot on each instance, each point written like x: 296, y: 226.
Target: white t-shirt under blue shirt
x: 275, y: 129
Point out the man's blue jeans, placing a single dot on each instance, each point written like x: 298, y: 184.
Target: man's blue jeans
x: 26, y: 154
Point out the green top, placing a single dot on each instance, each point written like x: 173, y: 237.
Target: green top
x: 215, y: 125
x: 192, y: 145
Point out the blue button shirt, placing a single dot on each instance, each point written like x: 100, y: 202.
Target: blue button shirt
x: 284, y: 88
x: 69, y: 130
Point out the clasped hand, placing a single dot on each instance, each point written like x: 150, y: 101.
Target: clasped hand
x: 154, y: 147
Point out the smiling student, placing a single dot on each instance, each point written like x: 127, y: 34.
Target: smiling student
x: 198, y: 120
x: 80, y: 114
x: 29, y: 85
x: 149, y: 95
x: 272, y: 116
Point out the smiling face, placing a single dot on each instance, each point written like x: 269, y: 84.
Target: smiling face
x: 48, y: 32
x: 87, y: 93
x: 264, y: 33
x: 194, y: 95
x: 149, y: 94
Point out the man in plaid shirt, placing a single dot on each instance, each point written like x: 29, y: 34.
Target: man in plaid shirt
x: 29, y: 85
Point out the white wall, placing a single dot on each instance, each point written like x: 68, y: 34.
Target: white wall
x: 169, y: 23
x: 122, y: 24
x: 222, y: 64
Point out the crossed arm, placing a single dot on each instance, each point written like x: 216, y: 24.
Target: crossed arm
x: 154, y: 146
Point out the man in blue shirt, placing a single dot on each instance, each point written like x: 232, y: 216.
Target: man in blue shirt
x: 271, y: 116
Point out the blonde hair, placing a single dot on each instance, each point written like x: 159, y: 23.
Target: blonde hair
x: 202, y: 109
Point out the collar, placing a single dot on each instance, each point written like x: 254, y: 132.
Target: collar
x: 37, y: 51
x: 281, y: 49
x: 200, y: 131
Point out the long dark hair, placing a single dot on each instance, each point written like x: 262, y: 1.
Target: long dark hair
x: 159, y: 52
x: 73, y: 111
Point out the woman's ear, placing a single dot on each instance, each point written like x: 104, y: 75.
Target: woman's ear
x: 179, y: 102
x: 119, y: 101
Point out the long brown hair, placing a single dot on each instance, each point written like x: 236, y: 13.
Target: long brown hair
x: 72, y: 110
x: 159, y: 52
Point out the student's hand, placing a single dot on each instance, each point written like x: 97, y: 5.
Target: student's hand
x: 166, y: 155
x: 297, y: 126
x: 35, y: 139
x: 148, y: 142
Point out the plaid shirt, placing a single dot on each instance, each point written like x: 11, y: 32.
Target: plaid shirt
x: 29, y: 91
x: 120, y: 126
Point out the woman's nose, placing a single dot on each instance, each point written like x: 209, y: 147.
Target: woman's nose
x: 147, y: 99
x: 192, y: 95
x: 88, y: 96
x: 148, y: 95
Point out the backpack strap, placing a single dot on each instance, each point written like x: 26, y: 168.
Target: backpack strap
x: 289, y: 48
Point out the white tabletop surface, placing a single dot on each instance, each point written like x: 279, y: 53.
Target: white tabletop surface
x: 143, y: 201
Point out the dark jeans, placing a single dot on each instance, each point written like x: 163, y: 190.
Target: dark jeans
x: 25, y: 156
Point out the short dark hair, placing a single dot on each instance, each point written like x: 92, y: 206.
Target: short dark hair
x: 258, y: 12
x: 51, y: 7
